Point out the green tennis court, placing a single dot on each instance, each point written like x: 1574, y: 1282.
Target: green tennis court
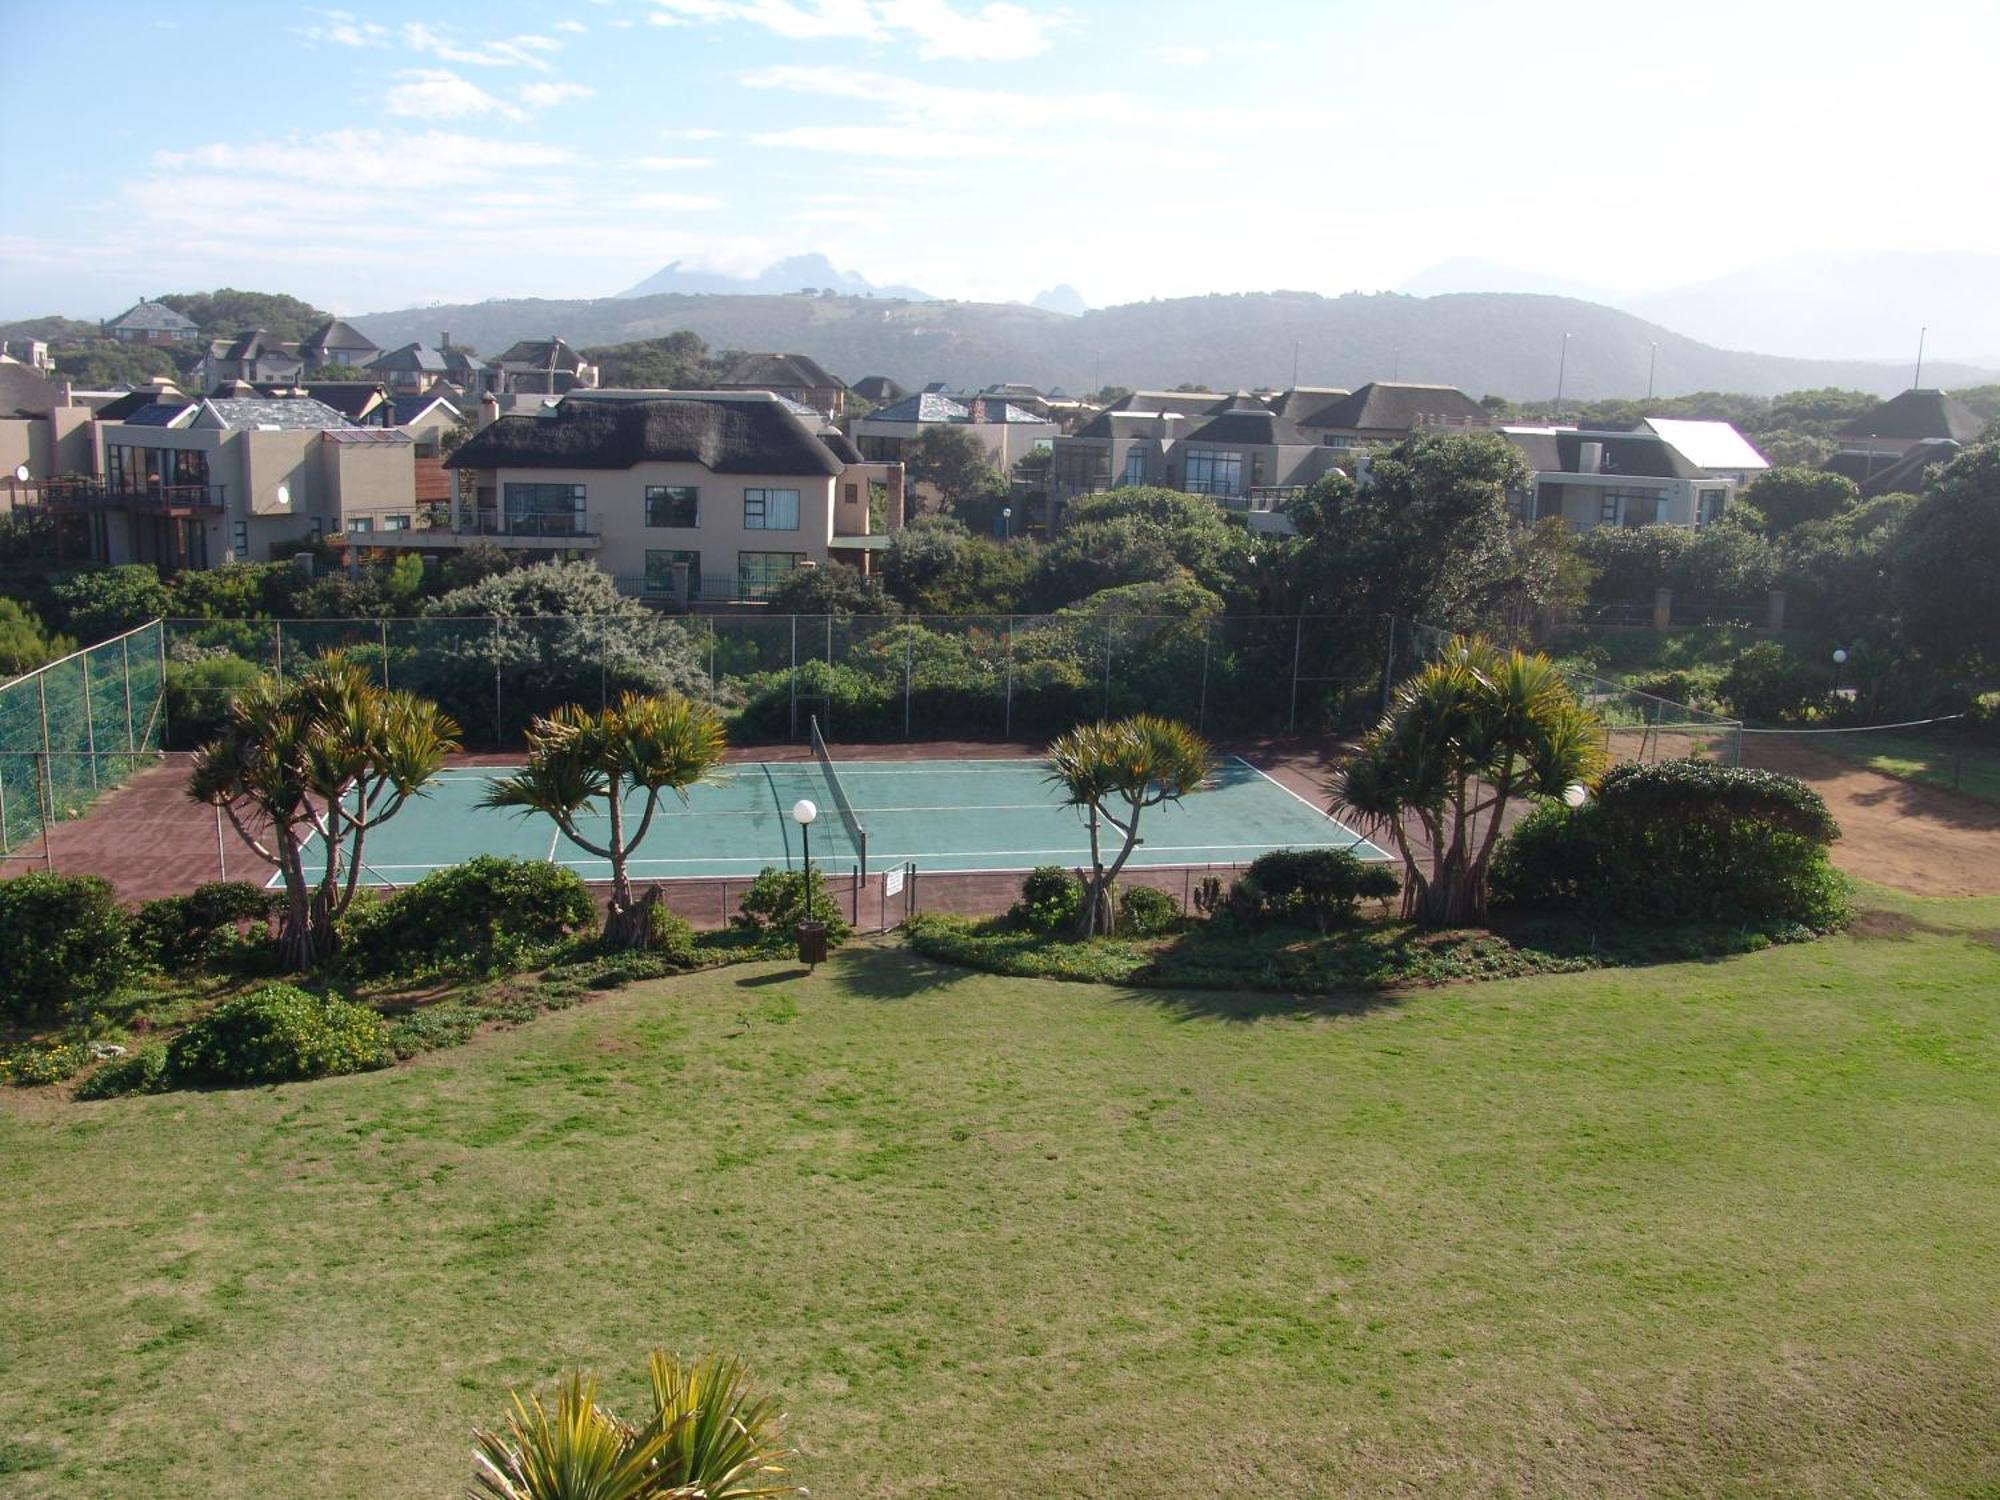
x: 938, y: 815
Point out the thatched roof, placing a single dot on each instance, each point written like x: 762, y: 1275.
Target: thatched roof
x: 726, y: 434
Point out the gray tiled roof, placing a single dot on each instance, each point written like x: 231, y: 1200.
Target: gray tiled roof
x: 1917, y: 414
x: 293, y: 413
x: 1380, y: 406
x: 338, y: 334
x: 418, y: 357
x: 726, y: 434
x: 152, y: 317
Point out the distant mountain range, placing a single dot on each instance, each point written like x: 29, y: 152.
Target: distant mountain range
x: 1820, y: 306
x: 793, y: 274
x: 1508, y: 344
x: 1064, y: 299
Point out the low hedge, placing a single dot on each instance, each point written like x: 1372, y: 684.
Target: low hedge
x: 487, y: 915
x: 276, y: 1034
x: 1680, y: 841
x: 64, y: 945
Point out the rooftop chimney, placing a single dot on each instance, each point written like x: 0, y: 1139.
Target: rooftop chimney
x: 1590, y: 458
x: 489, y: 410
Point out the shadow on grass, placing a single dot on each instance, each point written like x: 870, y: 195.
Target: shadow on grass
x: 886, y: 971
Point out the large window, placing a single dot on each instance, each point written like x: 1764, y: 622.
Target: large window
x: 673, y: 505
x: 1135, y: 466
x: 544, y: 509
x: 770, y: 510
x: 757, y: 573
x: 1214, y: 471
x: 1630, y: 507
x: 660, y: 570
x: 1712, y: 502
x: 395, y: 523
x: 130, y: 468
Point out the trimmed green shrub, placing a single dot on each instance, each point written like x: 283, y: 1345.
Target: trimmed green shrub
x: 63, y: 944
x: 669, y: 936
x: 1681, y: 841
x: 1051, y: 899
x: 1765, y: 683
x: 142, y: 1072
x: 35, y: 1063
x: 1146, y: 912
x: 275, y: 1034
x: 776, y: 903
x: 1320, y: 886
x: 178, y: 931
x: 484, y: 916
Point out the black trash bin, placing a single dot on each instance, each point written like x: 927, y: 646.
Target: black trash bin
x: 812, y: 943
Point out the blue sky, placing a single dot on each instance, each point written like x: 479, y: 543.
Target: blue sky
x: 370, y: 157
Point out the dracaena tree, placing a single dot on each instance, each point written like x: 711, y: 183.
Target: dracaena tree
x: 1471, y: 734
x: 327, y: 755
x: 1113, y: 770
x: 625, y: 758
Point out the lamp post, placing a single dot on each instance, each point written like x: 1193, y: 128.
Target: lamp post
x: 804, y: 813
x: 1839, y: 661
x: 1007, y: 523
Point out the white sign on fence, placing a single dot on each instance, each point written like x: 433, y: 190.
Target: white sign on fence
x: 893, y: 881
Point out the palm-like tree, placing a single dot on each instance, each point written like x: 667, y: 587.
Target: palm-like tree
x: 1468, y: 735
x: 645, y: 742
x: 1114, y: 770
x: 328, y: 755
x: 710, y: 1437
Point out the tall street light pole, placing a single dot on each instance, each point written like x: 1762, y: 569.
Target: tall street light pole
x: 1562, y: 369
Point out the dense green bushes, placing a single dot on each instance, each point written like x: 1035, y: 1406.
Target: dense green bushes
x: 1681, y: 841
x: 179, y: 931
x: 1319, y: 886
x: 1144, y: 911
x: 482, y: 916
x: 1051, y: 900
x: 274, y: 1035
x: 63, y: 945
x: 777, y: 902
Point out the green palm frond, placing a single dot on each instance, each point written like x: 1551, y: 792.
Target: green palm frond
x: 570, y: 1450
x: 722, y: 1438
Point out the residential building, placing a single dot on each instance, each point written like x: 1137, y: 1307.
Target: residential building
x: 1387, y: 412
x: 192, y: 483
x: 1007, y: 432
x: 40, y: 432
x: 365, y: 403
x: 796, y: 377
x: 254, y: 357
x: 681, y: 496
x: 1245, y: 455
x: 878, y: 390
x: 547, y: 367
x: 1668, y: 473
x: 152, y: 323
x: 410, y: 370
x: 34, y: 353
x: 338, y: 343
x: 1909, y: 418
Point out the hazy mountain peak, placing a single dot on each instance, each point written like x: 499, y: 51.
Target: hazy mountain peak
x: 794, y: 273
x: 1062, y: 298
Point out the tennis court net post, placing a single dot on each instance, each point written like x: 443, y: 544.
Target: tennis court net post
x: 845, y: 808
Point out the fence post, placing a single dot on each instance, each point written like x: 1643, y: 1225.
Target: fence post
x: 1201, y: 709
x: 1298, y: 645
x: 166, y: 729
x: 1010, y: 677
x: 385, y: 654
x: 499, y: 724
x: 6, y: 840
x: 1106, y: 710
x: 795, y: 677
x: 48, y: 808
x: 278, y: 649
x: 89, y: 722
x: 603, y: 669
x: 906, y: 684
x: 125, y: 648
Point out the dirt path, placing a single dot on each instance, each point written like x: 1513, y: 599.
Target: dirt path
x: 1923, y: 839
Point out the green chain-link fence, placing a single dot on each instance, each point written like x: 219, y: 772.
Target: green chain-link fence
x: 74, y: 729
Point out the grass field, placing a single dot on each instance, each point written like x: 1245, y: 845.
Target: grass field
x: 1719, y: 1228
x: 1962, y: 763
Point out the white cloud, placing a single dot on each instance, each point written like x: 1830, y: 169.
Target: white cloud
x: 542, y: 95
x: 510, y: 52
x: 343, y: 29
x: 674, y: 163
x: 439, y: 94
x: 676, y: 202
x: 428, y: 160
x: 576, y: 28
x: 996, y: 32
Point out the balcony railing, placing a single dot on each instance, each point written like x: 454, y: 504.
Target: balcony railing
x: 566, y: 525
x: 90, y: 492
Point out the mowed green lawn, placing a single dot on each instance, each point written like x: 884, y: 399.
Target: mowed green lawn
x: 1722, y: 1228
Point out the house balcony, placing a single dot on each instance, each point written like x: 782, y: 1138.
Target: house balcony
x: 88, y: 492
x: 572, y: 532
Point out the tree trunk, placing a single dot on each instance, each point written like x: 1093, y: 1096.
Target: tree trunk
x: 629, y: 925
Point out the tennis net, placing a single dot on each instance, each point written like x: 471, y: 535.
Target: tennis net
x: 855, y: 831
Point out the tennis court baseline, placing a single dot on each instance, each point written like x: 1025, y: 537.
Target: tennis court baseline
x: 939, y: 815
